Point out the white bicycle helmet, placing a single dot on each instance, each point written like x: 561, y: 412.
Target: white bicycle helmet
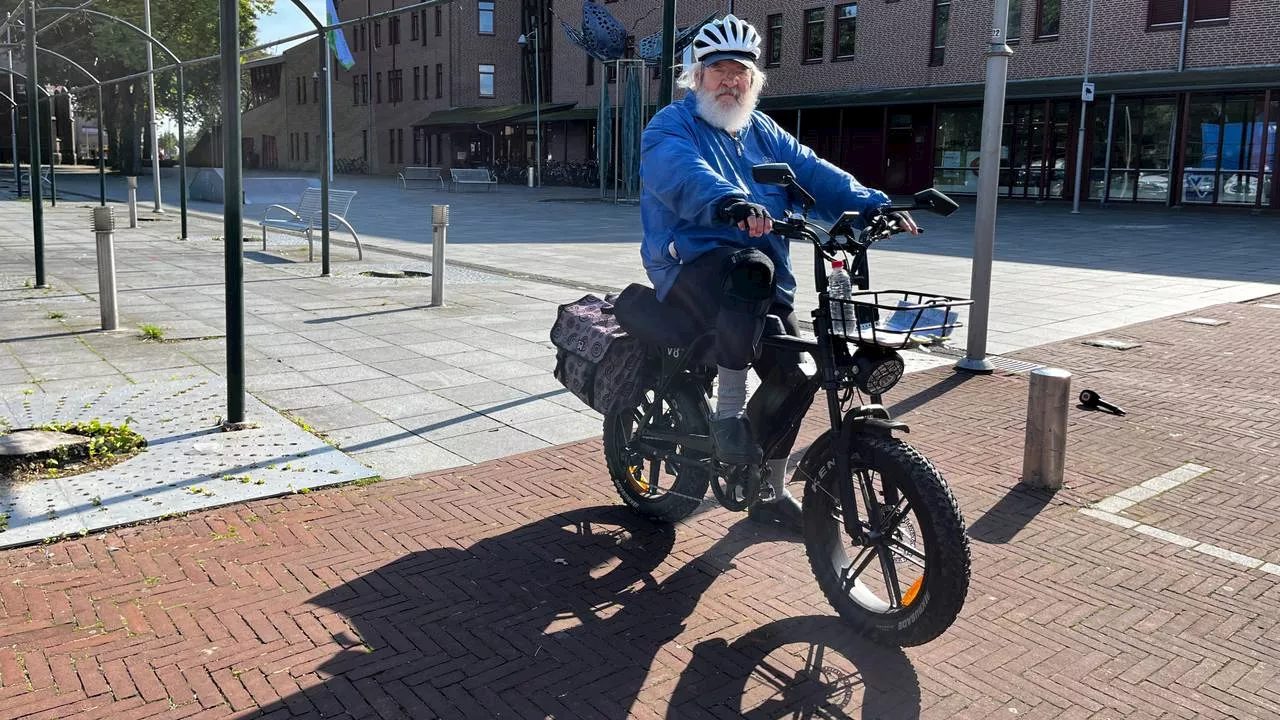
x: 728, y: 38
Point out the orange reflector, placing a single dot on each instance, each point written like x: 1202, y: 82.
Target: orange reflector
x: 912, y: 591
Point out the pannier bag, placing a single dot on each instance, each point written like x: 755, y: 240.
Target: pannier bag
x: 595, y: 358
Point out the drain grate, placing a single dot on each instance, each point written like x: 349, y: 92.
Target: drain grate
x: 1211, y: 322
x: 1112, y: 343
x: 396, y: 274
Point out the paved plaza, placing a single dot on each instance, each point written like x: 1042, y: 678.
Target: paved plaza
x: 493, y: 573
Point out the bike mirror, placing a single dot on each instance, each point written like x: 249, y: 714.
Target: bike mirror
x: 935, y: 202
x: 773, y: 174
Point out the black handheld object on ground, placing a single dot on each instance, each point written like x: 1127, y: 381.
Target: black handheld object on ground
x: 1091, y: 400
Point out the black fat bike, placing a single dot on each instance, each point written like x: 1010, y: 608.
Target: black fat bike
x: 883, y: 532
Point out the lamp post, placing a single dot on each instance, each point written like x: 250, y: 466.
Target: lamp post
x: 537, y: 99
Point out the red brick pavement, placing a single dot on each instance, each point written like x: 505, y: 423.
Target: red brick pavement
x: 520, y: 587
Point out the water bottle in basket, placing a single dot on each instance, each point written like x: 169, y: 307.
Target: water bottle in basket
x: 840, y: 287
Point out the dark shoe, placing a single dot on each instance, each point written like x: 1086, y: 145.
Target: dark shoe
x: 786, y: 513
x: 734, y: 443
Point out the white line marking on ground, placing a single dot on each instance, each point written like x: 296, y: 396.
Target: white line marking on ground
x: 1109, y: 508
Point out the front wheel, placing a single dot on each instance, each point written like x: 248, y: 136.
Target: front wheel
x: 907, y: 583
x: 661, y: 491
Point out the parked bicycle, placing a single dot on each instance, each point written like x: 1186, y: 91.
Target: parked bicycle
x: 884, y: 535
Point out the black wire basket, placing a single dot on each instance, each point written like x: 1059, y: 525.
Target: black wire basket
x: 896, y: 318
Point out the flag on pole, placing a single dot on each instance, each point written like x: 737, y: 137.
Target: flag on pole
x: 338, y: 40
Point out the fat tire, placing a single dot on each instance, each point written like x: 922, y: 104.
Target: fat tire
x: 941, y: 531
x: 684, y: 495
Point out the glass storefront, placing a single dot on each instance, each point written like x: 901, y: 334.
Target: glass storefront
x: 1141, y: 149
x: 1224, y: 150
x: 1229, y: 139
x: 1033, y: 158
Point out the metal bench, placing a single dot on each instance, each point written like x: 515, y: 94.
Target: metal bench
x: 471, y: 176
x: 44, y: 177
x: 420, y: 174
x: 305, y: 220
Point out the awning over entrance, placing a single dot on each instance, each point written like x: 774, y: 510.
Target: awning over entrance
x: 1126, y: 83
x: 488, y: 114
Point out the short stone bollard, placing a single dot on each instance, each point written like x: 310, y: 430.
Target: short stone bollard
x: 439, y: 232
x: 104, y: 225
x: 133, y: 201
x: 1045, y: 451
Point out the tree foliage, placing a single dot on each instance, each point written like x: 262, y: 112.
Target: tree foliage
x: 112, y: 50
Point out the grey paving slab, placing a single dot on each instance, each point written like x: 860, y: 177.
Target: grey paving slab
x: 562, y: 428
x: 490, y: 444
x: 385, y: 387
x: 189, y: 463
x: 411, y: 459
x: 448, y: 423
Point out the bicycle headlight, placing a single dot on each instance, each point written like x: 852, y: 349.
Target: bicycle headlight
x: 877, y: 373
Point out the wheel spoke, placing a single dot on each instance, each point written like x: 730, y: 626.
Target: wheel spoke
x: 655, y: 471
x: 890, y: 575
x: 909, y: 553
x: 857, y: 566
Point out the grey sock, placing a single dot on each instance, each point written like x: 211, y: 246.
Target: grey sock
x: 778, y: 477
x: 732, y: 395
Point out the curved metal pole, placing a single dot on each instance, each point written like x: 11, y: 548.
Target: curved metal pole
x: 102, y: 165
x: 53, y: 175
x: 33, y: 145
x: 182, y: 149
x: 324, y: 141
x: 113, y: 18
x: 53, y: 148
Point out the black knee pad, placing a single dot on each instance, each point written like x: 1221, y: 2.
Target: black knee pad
x: 749, y: 281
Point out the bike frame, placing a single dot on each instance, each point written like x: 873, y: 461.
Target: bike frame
x: 829, y: 355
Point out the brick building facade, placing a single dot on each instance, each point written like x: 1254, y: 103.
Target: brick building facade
x: 889, y: 89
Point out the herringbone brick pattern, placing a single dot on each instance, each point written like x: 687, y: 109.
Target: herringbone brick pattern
x: 519, y: 588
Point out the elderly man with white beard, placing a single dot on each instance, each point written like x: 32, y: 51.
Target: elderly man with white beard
x: 708, y: 243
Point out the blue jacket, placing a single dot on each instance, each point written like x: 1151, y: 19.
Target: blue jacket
x: 687, y: 167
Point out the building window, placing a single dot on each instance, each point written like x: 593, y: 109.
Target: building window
x: 400, y: 145
x: 938, y: 46
x: 1047, y: 15
x: 377, y: 33
x: 414, y: 20
x: 591, y: 70
x: 486, y: 17
x: 439, y: 80
x: 814, y: 20
x: 393, y: 31
x: 773, y: 42
x: 438, y: 23
x: 417, y: 81
x: 364, y: 145
x: 1013, y: 31
x: 391, y: 145
x: 306, y: 147
x: 846, y: 29
x: 395, y: 86
x: 355, y: 89
x: 377, y: 87
x: 486, y: 81
x: 315, y: 89
x: 1169, y: 12
x: 364, y: 88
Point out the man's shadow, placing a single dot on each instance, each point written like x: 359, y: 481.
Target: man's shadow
x: 563, y: 617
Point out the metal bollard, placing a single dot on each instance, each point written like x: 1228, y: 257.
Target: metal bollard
x: 133, y: 202
x: 439, y: 231
x: 104, y: 224
x: 1045, y: 451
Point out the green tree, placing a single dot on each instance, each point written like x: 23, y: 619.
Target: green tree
x: 112, y: 50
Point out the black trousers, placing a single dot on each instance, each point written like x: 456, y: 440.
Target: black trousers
x: 732, y: 290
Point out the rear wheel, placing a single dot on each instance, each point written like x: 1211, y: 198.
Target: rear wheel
x: 907, y: 584
x: 658, y: 490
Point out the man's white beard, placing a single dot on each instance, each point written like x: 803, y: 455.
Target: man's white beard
x: 732, y: 118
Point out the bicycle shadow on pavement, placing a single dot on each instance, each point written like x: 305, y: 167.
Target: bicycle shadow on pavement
x: 570, y: 616
x: 801, y: 667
